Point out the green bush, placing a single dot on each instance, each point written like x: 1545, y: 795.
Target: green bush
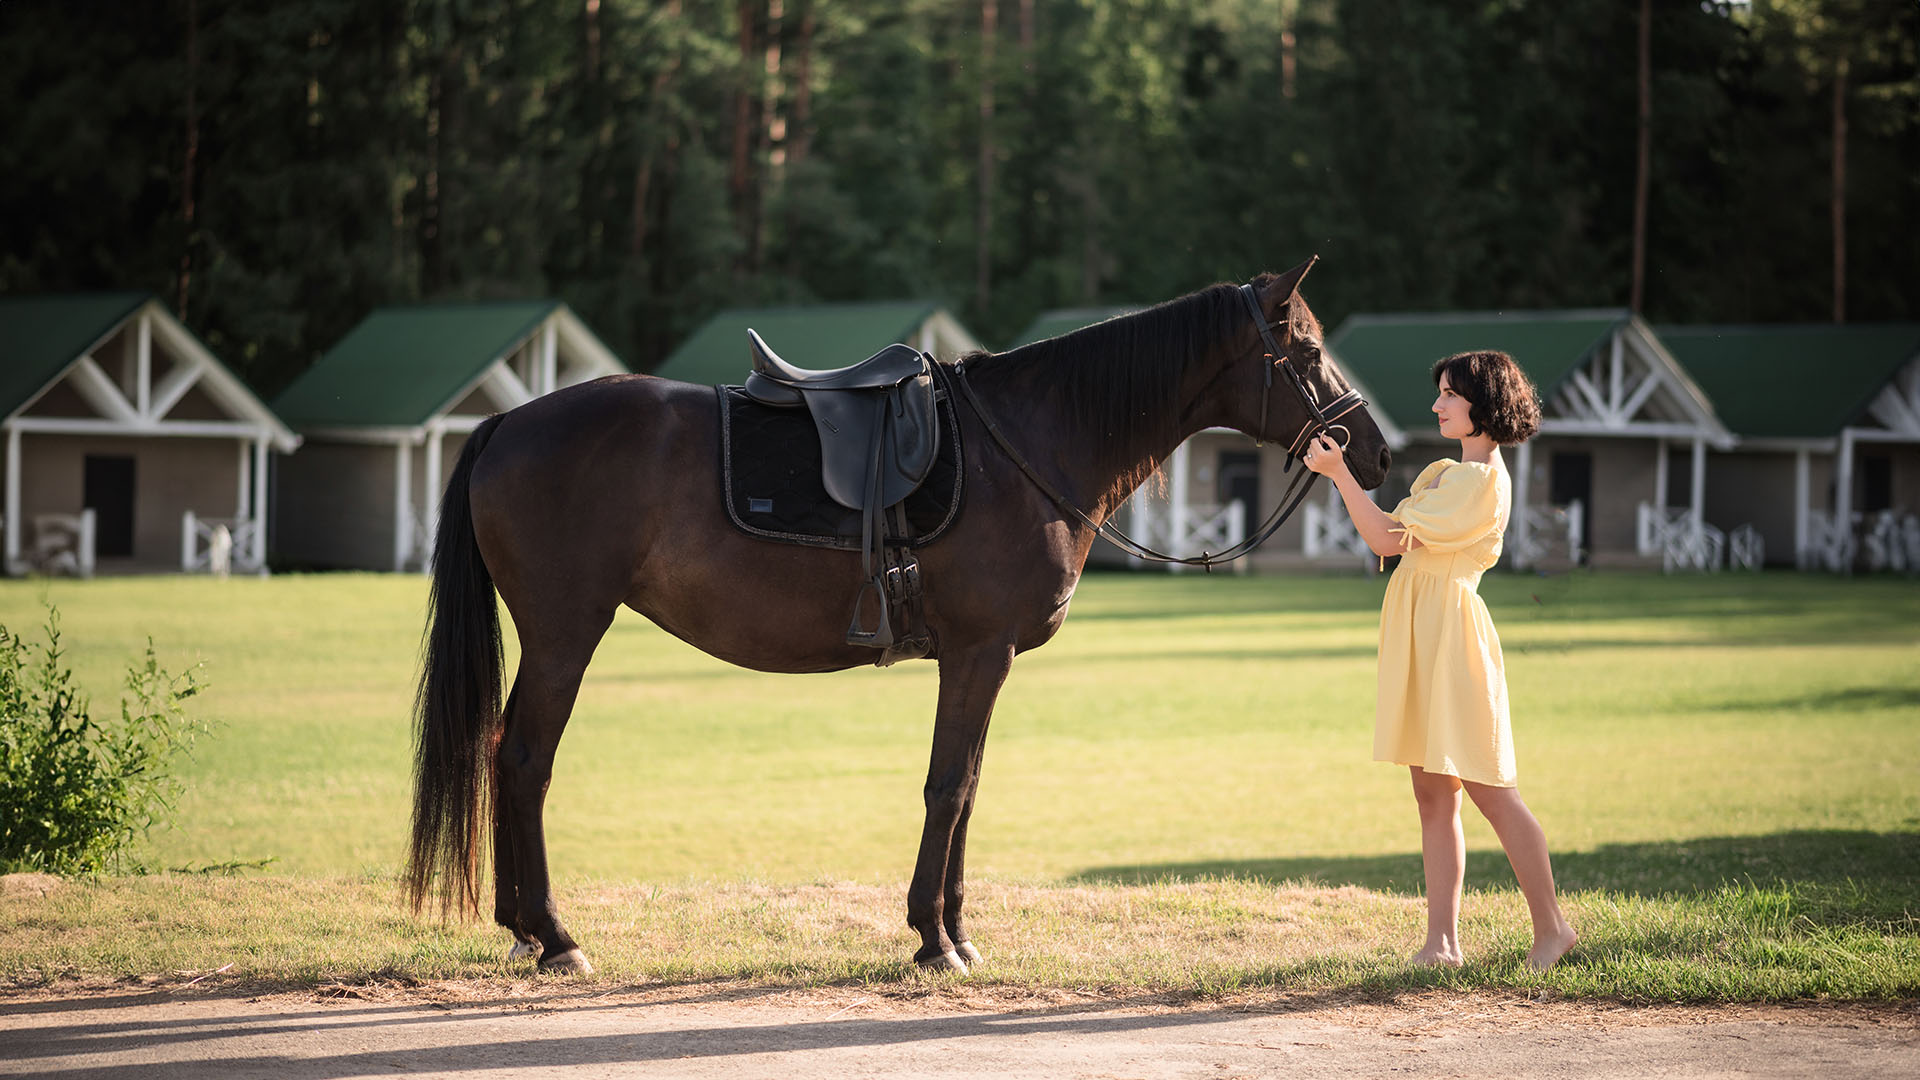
x: 76, y: 790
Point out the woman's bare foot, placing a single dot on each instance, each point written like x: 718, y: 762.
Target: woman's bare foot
x: 1438, y: 956
x: 1548, y: 950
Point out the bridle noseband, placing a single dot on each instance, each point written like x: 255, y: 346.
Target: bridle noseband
x: 1320, y: 421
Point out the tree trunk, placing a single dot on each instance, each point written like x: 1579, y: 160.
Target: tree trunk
x: 656, y: 111
x: 1840, y: 191
x: 187, y: 166
x: 1643, y: 166
x: 745, y: 113
x: 800, y: 124
x: 1289, y: 49
x: 983, y: 218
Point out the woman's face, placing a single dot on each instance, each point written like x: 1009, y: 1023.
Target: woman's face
x: 1452, y: 410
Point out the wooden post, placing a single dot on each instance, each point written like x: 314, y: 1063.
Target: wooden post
x: 1522, y: 489
x: 1660, y: 476
x: 1801, y: 483
x: 402, y: 504
x: 1697, y: 507
x: 243, y: 486
x: 257, y: 550
x: 13, y: 500
x: 143, y: 364
x: 1843, y: 488
x: 436, y: 436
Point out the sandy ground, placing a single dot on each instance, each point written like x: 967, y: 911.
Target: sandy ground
x: 532, y: 1029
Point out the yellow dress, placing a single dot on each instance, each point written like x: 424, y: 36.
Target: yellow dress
x: 1443, y: 687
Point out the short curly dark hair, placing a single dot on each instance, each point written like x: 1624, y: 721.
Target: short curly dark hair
x: 1502, y: 401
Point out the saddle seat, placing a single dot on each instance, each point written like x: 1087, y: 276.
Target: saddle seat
x: 890, y: 366
x: 878, y: 431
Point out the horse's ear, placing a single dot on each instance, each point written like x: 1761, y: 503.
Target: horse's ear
x: 1286, y: 285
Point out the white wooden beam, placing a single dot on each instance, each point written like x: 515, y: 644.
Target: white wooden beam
x: 1642, y: 390
x: 170, y: 391
x: 84, y: 425
x: 402, y: 505
x: 549, y: 357
x: 1843, y: 482
x: 1616, y: 376
x: 240, y: 496
x: 1892, y: 408
x: 98, y: 388
x: 505, y: 387
x: 1594, y: 400
x: 1176, y: 466
x: 143, y: 361
x: 1647, y: 429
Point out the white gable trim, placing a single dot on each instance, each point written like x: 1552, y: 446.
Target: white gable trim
x: 1897, y: 405
x: 585, y: 359
x: 1611, y: 393
x: 141, y: 409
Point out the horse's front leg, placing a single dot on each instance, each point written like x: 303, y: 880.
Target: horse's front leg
x: 969, y: 683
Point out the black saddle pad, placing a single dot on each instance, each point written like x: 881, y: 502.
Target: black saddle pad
x: 770, y: 477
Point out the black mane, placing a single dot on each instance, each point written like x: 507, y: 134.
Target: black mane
x: 1118, y: 381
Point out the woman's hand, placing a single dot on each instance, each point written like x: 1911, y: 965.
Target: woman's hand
x: 1325, y: 457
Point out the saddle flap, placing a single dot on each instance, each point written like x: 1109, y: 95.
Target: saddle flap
x: 898, y: 426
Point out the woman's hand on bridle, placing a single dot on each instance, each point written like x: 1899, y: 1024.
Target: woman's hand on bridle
x: 1325, y: 457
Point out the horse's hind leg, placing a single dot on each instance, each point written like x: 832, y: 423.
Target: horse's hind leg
x: 543, y: 695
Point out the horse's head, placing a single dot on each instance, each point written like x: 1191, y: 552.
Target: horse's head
x: 1285, y: 387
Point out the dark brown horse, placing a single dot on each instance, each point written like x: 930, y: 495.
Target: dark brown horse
x: 608, y: 493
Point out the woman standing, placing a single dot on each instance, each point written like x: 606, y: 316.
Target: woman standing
x: 1442, y: 706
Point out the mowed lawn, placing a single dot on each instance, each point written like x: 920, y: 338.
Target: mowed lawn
x: 1754, y: 737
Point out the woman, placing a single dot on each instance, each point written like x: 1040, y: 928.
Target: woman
x: 1442, y: 707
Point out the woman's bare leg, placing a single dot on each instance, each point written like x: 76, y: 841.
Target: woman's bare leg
x: 1443, y: 853
x: 1526, y: 846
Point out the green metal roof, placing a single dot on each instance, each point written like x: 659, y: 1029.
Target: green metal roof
x: 1787, y: 381
x: 1394, y: 354
x: 41, y: 335
x: 1066, y: 320
x: 403, y: 364
x: 811, y: 336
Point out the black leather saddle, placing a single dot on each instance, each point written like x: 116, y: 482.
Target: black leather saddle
x: 879, y: 435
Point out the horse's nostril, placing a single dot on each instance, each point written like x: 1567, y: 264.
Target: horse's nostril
x: 1386, y: 459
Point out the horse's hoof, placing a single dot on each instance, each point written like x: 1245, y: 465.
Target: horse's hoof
x: 571, y: 962
x: 945, y: 962
x: 968, y: 954
x: 524, y: 950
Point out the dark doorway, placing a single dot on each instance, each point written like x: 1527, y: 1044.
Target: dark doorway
x: 1239, y: 478
x: 1571, y: 477
x: 107, y: 490
x: 1876, y: 483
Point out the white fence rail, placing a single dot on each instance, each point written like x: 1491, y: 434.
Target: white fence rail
x: 1892, y: 542
x: 1203, y: 529
x: 1548, y: 528
x: 62, y: 544
x: 1681, y: 542
x: 1746, y: 549
x: 1329, y: 531
x: 217, y: 546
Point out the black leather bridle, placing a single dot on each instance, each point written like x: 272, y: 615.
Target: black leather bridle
x: 1320, y: 421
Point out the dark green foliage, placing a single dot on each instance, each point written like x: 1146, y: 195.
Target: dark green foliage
x: 75, y: 790
x: 1437, y: 153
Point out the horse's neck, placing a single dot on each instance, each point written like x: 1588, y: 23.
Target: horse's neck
x: 1097, y: 479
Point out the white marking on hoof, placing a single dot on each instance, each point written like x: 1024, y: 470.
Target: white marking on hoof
x: 524, y: 950
x: 948, y: 961
x: 968, y: 954
x: 571, y: 962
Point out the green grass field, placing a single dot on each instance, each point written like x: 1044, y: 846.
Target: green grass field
x: 1728, y: 770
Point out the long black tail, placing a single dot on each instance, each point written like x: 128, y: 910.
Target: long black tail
x: 457, y: 706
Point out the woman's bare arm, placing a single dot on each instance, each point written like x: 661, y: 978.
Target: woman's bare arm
x: 1374, y: 524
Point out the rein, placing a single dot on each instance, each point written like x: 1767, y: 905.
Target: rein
x: 1320, y: 422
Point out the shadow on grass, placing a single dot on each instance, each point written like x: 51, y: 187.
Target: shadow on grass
x: 1836, y: 876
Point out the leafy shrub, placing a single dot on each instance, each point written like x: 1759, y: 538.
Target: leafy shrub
x: 75, y: 790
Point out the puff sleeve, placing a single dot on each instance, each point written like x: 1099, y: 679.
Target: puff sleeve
x: 1453, y: 514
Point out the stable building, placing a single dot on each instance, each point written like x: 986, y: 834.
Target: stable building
x: 1217, y: 486
x: 814, y: 336
x: 1827, y: 468
x: 385, y: 413
x: 1618, y: 474
x: 129, y: 446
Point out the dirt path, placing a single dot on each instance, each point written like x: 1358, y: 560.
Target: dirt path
x: 530, y: 1030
